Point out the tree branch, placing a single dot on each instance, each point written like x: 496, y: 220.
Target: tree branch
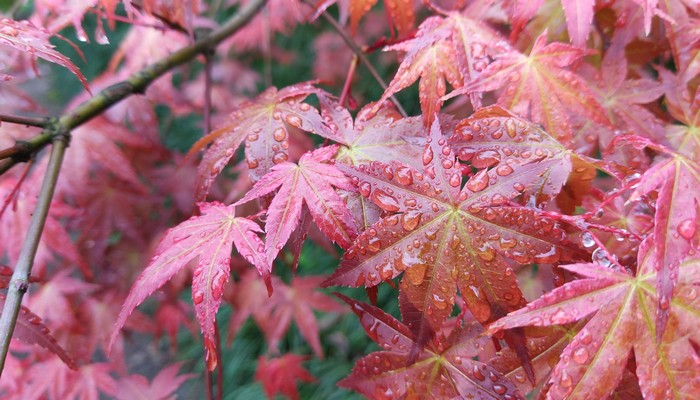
x: 363, y: 58
x: 57, y: 132
x: 28, y: 121
x: 138, y: 82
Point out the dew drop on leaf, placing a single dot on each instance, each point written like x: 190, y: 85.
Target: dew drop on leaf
x: 687, y: 229
x: 410, y: 220
x: 500, y: 389
x: 580, y: 355
x: 427, y: 155
x: 384, y: 200
x: 197, y: 298
x: 479, y: 181
x: 293, y: 120
x: 587, y: 240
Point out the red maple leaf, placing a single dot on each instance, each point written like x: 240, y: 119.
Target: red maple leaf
x: 446, y: 368
x: 540, y: 87
x: 264, y: 123
x: 310, y: 183
x: 454, y: 48
x: 280, y: 375
x: 30, y: 329
x: 162, y: 387
x: 675, y: 232
x: 619, y: 310
x: 209, y: 238
x: 25, y: 37
x: 294, y: 302
x: 446, y: 236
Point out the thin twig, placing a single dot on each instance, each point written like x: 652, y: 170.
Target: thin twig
x: 207, y: 92
x: 58, y: 133
x: 28, y: 121
x: 363, y: 58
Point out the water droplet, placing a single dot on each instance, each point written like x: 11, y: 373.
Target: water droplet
x: 404, y: 176
x: 500, y: 389
x: 485, y: 159
x: 565, y: 380
x: 279, y: 134
x: 479, y: 181
x: 198, y: 298
x: 664, y: 302
x: 600, y: 257
x: 687, y: 229
x: 580, y: 355
x: 504, y: 170
x: 253, y: 163
x: 279, y: 158
x: 587, y: 240
x: 477, y: 373
x: 384, y: 200
x: 293, y: 120
x: 427, y: 155
x: 365, y: 188
x: 455, y: 180
x: 410, y: 220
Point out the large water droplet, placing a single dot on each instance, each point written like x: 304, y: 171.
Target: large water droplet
x: 565, y: 380
x: 410, y: 220
x: 580, y: 355
x: 479, y: 181
x: 687, y: 228
x: 293, y: 120
x: 500, y: 389
x: 364, y: 188
x: 198, y: 298
x: 427, y: 155
x: 279, y: 134
x: 587, y: 240
x: 384, y: 200
x: 404, y: 176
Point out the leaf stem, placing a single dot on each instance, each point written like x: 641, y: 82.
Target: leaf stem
x: 58, y: 131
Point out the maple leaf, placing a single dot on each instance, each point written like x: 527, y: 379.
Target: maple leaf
x: 311, y: 183
x: 209, y: 239
x: 25, y: 37
x: 539, y: 87
x: 684, y: 137
x: 273, y: 315
x: 675, y: 231
x: 400, y: 13
x: 280, y: 375
x: 445, y: 369
x: 51, y: 378
x: 162, y: 387
x: 265, y: 124
x: 454, y: 48
x: 30, y: 329
x: 448, y: 237
x: 579, y: 16
x: 544, y: 352
x: 622, y: 100
x: 621, y: 308
x: 381, y: 135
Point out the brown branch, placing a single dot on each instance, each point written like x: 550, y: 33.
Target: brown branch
x: 58, y: 133
x: 138, y: 82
